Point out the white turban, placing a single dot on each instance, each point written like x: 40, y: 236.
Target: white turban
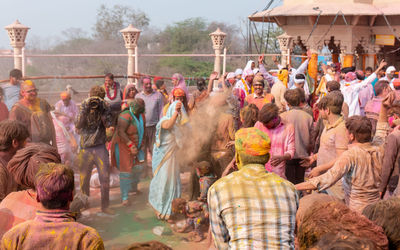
x: 238, y: 72
x: 390, y: 69
x: 230, y: 75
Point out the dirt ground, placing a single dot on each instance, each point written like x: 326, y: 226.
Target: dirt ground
x: 135, y: 223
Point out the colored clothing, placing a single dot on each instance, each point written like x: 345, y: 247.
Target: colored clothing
x: 7, y: 183
x: 98, y: 156
x: 252, y: 209
x: 11, y: 94
x: 278, y: 90
x: 71, y: 111
x: 205, y: 183
x: 303, y: 126
x: 65, y: 139
x: 282, y: 141
x: 94, y: 116
x: 166, y: 183
x: 115, y: 104
x: 3, y: 112
x: 27, y: 205
x: 259, y: 101
x: 37, y: 119
x: 153, y: 105
x: 391, y: 160
x: 52, y: 229
x: 245, y: 87
x: 360, y: 167
x: 366, y: 94
x: 372, y: 110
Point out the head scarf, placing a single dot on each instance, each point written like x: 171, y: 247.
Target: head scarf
x: 252, y: 141
x: 256, y: 70
x: 350, y: 76
x: 283, y: 75
x: 178, y: 92
x: 396, y: 82
x: 126, y: 90
x: 136, y: 106
x: 181, y: 83
x: 238, y: 72
x: 246, y: 73
x: 230, y: 75
x: 390, y: 69
x: 25, y: 163
x: 248, y: 65
x: 65, y: 95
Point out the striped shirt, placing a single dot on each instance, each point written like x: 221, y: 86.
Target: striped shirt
x: 253, y: 209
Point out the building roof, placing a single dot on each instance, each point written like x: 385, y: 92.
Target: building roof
x: 328, y: 9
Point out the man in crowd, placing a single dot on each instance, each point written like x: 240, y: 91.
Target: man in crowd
x: 373, y: 106
x: 303, y: 126
x: 54, y: 227
x: 34, y: 113
x: 13, y: 135
x: 259, y: 98
x: 113, y: 96
x: 153, y: 111
x: 389, y: 76
x: 67, y: 107
x: 252, y: 208
x: 12, y: 88
x: 93, y: 119
x: 245, y: 84
x: 361, y: 164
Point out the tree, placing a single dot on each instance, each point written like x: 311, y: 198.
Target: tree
x: 111, y: 20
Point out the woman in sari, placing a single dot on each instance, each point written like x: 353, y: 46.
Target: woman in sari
x: 126, y: 153
x: 130, y: 92
x: 166, y: 183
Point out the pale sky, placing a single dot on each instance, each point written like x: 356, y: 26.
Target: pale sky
x: 47, y: 18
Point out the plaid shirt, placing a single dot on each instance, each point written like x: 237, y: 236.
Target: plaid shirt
x: 252, y: 208
x: 282, y: 142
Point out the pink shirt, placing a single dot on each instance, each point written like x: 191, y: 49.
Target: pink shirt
x: 282, y: 142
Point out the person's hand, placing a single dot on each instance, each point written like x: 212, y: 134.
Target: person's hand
x: 276, y: 159
x: 389, y: 99
x: 178, y: 107
x: 324, y: 67
x: 307, y: 162
x: 261, y: 59
x: 213, y: 76
x: 225, y: 75
x: 309, y: 54
x: 230, y: 144
x: 382, y: 64
x: 314, y: 172
x: 274, y: 59
x: 231, y: 166
x: 133, y: 150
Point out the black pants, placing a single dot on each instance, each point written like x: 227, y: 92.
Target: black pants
x: 294, y: 172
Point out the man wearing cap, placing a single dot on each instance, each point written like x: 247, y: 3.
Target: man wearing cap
x: 390, y: 71
x: 252, y: 208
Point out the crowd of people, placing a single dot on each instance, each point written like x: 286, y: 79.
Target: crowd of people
x: 276, y: 160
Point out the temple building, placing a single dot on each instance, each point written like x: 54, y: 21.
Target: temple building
x: 357, y: 32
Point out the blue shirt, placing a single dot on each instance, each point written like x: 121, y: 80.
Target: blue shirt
x: 11, y: 94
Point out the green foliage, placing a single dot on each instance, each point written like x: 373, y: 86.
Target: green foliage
x: 111, y: 20
x: 188, y: 66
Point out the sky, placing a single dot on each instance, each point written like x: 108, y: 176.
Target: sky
x: 48, y: 18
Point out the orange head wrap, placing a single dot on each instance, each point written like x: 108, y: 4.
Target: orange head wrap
x: 177, y: 92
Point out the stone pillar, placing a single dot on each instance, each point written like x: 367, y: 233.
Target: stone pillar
x: 218, y: 39
x: 131, y: 37
x: 17, y: 34
x: 285, y: 42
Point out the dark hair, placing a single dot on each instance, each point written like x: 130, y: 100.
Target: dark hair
x: 16, y: 73
x: 292, y: 96
x: 109, y: 75
x: 159, y: 83
x: 55, y: 185
x: 360, y: 127
x: 302, y: 94
x: 380, y: 86
x: 334, y: 217
x: 386, y: 213
x: 97, y: 91
x: 300, y: 76
x: 332, y: 86
x: 25, y: 163
x: 334, y: 101
x: 200, y: 81
x: 369, y: 69
x: 360, y: 75
x: 177, y: 205
x: 12, y: 130
x: 268, y: 112
x: 149, y: 245
x: 249, y: 115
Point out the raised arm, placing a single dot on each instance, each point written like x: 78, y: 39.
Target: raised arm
x: 212, y: 77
